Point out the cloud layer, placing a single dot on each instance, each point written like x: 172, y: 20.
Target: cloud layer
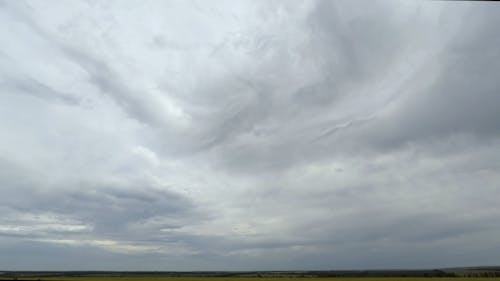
x: 249, y: 135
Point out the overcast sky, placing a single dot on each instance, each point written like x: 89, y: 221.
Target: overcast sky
x: 243, y: 135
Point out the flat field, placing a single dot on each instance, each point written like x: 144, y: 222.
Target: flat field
x: 149, y: 278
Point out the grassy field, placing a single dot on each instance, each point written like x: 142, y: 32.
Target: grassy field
x: 247, y: 279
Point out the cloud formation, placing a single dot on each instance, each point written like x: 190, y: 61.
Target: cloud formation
x: 249, y: 135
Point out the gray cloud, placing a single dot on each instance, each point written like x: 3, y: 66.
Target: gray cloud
x: 32, y: 87
x: 248, y: 135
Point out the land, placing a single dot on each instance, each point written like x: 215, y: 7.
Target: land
x: 248, y: 279
x: 464, y: 273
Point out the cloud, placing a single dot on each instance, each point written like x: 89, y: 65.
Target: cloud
x: 248, y: 135
x: 33, y: 87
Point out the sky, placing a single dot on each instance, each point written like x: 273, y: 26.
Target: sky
x: 249, y: 135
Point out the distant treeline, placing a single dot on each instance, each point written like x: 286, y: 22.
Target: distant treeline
x: 451, y: 272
